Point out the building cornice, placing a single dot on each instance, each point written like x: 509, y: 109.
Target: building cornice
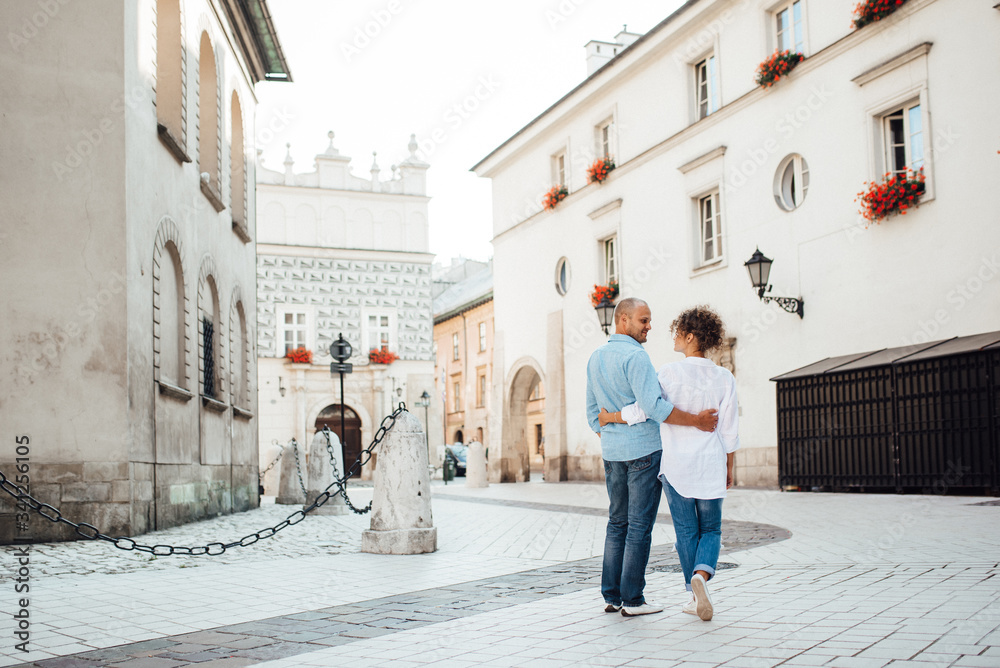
x: 891, y: 64
x: 341, y: 191
x: 703, y: 159
x: 371, y: 255
x: 464, y: 308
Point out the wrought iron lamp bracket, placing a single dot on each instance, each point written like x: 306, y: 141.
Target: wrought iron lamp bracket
x: 789, y: 304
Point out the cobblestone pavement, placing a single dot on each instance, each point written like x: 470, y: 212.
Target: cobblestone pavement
x: 862, y: 580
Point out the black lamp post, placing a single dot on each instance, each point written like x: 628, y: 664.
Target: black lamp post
x: 759, y: 268
x: 341, y: 351
x: 605, y: 313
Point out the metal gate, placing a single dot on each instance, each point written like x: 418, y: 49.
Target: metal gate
x: 923, y: 418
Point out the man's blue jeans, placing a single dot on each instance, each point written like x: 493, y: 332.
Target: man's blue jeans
x: 698, y: 527
x: 635, y: 497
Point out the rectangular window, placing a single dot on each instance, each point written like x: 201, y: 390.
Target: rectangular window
x: 294, y: 328
x: 457, y: 396
x: 707, y: 86
x: 481, y: 395
x: 539, y: 440
x: 454, y: 346
x: 904, y: 139
x: 208, y: 357
x: 789, y: 28
x: 604, y: 149
x: 559, y: 169
x: 710, y: 224
x: 482, y: 337
x: 379, y: 330
x: 610, y: 260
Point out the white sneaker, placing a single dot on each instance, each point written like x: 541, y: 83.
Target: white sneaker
x: 646, y: 608
x: 692, y: 607
x: 703, y: 602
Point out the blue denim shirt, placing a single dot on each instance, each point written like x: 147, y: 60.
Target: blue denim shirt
x: 619, y: 373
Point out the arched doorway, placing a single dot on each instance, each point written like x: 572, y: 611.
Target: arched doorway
x: 330, y: 417
x: 459, y: 436
x: 515, y: 462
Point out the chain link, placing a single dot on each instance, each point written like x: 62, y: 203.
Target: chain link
x: 336, y: 475
x: 298, y: 468
x: 90, y: 532
x: 281, y: 450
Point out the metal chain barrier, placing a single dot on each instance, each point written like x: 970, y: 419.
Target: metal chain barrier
x: 336, y: 474
x: 281, y: 450
x: 298, y: 468
x: 90, y: 532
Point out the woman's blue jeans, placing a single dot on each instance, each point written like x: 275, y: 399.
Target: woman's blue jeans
x: 635, y: 497
x: 698, y: 527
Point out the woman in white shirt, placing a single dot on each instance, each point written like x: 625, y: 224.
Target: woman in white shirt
x: 697, y: 467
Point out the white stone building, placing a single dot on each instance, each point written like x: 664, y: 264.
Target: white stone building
x: 127, y: 257
x: 711, y: 166
x: 339, y: 254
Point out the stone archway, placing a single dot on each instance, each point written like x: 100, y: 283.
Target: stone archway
x: 515, y: 462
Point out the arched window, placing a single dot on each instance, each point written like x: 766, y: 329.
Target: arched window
x: 209, y: 337
x: 239, y: 355
x: 169, y: 74
x: 171, y: 317
x: 208, y: 121
x: 237, y: 164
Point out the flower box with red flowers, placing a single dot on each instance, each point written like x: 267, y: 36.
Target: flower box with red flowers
x: 895, y: 193
x: 602, y: 292
x: 299, y: 356
x: 871, y: 11
x: 778, y: 65
x: 555, y: 195
x: 599, y: 171
x: 376, y: 356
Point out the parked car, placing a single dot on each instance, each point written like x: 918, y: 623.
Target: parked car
x: 457, y: 453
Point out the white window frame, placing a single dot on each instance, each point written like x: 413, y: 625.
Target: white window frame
x: 309, y: 327
x: 604, y: 138
x: 717, y: 219
x: 800, y: 179
x: 456, y: 349
x: 776, y: 36
x: 456, y: 396
x: 878, y: 155
x: 712, y: 98
x: 366, y: 329
x: 560, y: 170
x: 609, y: 257
x: 905, y: 115
x: 482, y: 390
x: 482, y: 336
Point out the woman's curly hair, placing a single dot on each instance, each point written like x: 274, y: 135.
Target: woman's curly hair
x: 704, y: 323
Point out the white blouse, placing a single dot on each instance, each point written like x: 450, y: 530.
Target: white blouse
x: 694, y: 461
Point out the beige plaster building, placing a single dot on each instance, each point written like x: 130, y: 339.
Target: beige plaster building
x: 127, y: 258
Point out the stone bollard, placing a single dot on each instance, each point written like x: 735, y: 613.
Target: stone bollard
x: 271, y: 480
x: 290, y: 490
x: 475, y: 466
x: 321, y: 474
x: 401, y: 507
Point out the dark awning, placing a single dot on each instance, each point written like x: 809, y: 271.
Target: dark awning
x: 945, y: 348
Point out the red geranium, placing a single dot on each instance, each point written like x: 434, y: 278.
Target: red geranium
x: 778, y: 65
x: 894, y: 194
x: 598, y: 171
x: 555, y: 195
x: 871, y: 11
x: 300, y: 356
x: 376, y: 356
x: 603, y: 291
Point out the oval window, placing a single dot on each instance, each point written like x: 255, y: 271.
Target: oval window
x: 791, y: 182
x: 562, y: 276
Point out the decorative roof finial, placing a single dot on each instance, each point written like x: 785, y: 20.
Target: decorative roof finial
x: 413, y: 146
x: 288, y: 154
x: 375, y: 167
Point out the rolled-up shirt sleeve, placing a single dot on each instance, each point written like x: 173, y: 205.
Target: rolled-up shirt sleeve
x: 632, y: 414
x: 729, y: 419
x: 646, y: 387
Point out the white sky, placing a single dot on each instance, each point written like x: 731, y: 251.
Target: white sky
x: 428, y: 57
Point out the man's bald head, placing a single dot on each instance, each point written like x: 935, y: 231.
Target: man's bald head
x: 627, y: 307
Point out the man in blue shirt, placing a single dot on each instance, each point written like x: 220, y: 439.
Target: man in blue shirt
x: 620, y: 373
